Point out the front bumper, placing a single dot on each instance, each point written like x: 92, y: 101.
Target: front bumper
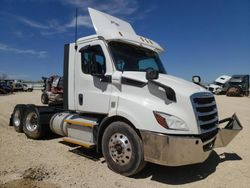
x: 178, y: 150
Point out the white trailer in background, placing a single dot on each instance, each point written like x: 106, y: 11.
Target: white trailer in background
x: 119, y: 100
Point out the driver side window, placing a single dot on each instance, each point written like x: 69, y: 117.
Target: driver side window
x: 93, y: 60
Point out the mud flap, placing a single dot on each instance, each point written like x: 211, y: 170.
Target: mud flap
x: 226, y: 134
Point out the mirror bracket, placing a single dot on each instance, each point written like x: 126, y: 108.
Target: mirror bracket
x: 152, y: 75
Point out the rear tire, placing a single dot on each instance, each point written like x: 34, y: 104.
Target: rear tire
x: 234, y: 92
x: 32, y: 126
x: 17, y: 117
x: 122, y: 149
x: 44, y: 98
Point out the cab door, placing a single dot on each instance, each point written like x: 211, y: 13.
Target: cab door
x: 93, y: 70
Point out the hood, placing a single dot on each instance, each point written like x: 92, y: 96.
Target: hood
x: 179, y: 85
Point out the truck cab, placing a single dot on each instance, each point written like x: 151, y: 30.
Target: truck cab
x: 218, y: 86
x: 119, y: 75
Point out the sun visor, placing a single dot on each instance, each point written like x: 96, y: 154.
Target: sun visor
x: 112, y: 28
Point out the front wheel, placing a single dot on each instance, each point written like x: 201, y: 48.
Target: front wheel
x: 122, y: 149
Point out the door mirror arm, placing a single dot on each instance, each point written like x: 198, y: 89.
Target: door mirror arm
x: 152, y: 74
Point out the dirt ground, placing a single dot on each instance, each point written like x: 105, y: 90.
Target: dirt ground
x: 51, y: 163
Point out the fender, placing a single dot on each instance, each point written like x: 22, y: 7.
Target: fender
x: 98, y: 131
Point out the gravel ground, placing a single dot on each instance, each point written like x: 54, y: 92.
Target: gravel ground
x: 52, y: 163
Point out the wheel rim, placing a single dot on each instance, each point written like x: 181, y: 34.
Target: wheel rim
x: 120, y: 149
x: 32, y: 121
x: 17, y: 118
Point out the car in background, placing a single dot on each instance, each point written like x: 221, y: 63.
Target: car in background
x: 27, y: 87
x: 17, y: 86
x: 5, y: 88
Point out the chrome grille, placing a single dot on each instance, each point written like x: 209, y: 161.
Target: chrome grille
x: 205, y: 111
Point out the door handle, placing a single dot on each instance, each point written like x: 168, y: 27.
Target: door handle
x: 80, y: 98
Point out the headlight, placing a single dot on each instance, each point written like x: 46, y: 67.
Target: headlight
x: 170, y: 122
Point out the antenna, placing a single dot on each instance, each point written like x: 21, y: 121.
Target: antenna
x: 76, y: 32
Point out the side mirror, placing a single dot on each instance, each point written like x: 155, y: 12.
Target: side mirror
x: 196, y: 79
x: 152, y: 75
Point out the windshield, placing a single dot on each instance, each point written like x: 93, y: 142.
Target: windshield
x: 237, y: 80
x: 129, y: 57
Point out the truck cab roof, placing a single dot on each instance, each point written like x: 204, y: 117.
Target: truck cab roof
x: 111, y: 28
x: 239, y: 78
x: 223, y: 79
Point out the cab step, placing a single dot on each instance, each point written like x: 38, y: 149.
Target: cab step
x: 82, y: 121
x: 79, y: 142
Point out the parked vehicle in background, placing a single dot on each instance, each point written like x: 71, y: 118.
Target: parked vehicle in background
x: 52, y: 90
x: 27, y: 87
x: 5, y: 88
x: 218, y: 86
x: 17, y: 86
x: 238, y: 86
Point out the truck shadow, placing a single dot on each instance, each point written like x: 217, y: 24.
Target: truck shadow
x: 83, y: 152
x: 185, y: 174
x: 167, y: 175
x: 50, y: 136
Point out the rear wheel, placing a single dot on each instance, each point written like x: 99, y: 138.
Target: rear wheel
x: 32, y: 126
x: 17, y: 117
x: 44, y: 98
x: 122, y: 149
x: 234, y: 92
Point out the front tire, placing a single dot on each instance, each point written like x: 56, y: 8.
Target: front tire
x: 122, y: 149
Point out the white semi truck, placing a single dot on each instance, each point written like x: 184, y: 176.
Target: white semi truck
x: 218, y: 85
x: 119, y: 100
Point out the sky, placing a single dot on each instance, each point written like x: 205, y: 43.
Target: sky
x: 208, y: 38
